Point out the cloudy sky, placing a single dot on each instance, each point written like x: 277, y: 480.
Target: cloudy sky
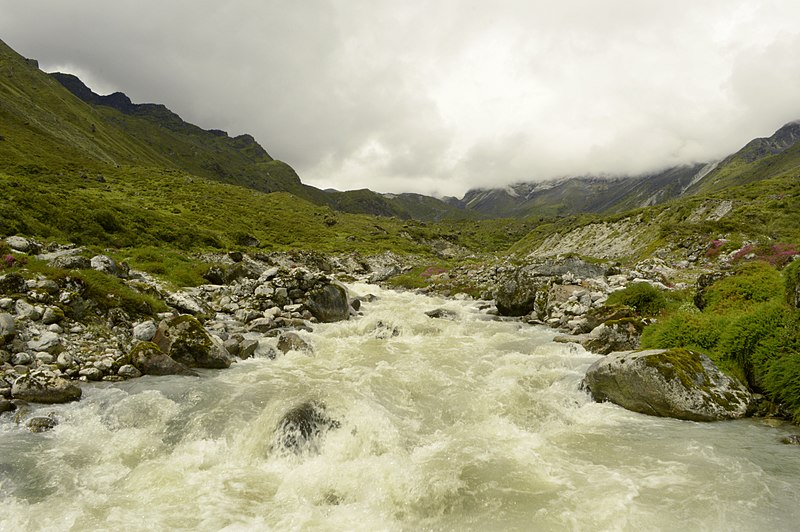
x: 439, y: 96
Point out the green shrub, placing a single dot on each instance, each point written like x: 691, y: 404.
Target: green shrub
x: 792, y: 276
x: 782, y: 382
x: 644, y: 298
x: 753, y: 283
x: 685, y: 329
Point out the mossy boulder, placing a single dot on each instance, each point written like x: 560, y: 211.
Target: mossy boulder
x: 150, y: 360
x: 185, y: 340
x: 676, y: 383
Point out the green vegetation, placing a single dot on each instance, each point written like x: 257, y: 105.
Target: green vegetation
x: 747, y: 327
x: 644, y: 298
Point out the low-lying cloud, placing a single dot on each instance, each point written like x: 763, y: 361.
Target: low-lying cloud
x: 439, y: 97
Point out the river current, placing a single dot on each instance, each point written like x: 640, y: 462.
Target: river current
x: 464, y: 424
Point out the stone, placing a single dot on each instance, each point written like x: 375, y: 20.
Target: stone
x: 71, y: 262
x: 614, y: 335
x: 329, y: 303
x: 150, y: 360
x: 442, y: 313
x: 45, y: 358
x: 261, y: 325
x: 48, y: 341
x: 300, y: 429
x: 40, y: 386
x: 291, y: 341
x: 105, y: 264
x: 18, y: 243
x: 145, y: 331
x: 129, y: 371
x: 185, y: 340
x: 27, y: 311
x: 7, y: 328
x: 676, y: 383
x: 92, y: 374
x: 42, y: 423
x: 7, y: 406
x: 793, y: 439
x: 247, y: 348
x: 52, y: 315
x: 64, y: 361
x: 12, y: 283
x: 186, y: 302
x: 6, y: 303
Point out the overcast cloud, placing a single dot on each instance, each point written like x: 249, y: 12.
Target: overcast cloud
x: 440, y: 96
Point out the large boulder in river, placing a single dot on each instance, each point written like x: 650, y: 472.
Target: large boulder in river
x: 150, y: 360
x: 185, y: 340
x: 329, y: 303
x: 674, y: 383
x: 43, y: 386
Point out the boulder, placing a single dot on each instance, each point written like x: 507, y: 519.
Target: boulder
x: 150, y: 360
x: 674, y: 383
x: 48, y: 341
x: 42, y: 423
x: 71, y: 262
x: 18, y: 243
x: 186, y: 302
x: 128, y: 371
x: 521, y: 292
x: 291, y: 341
x: 145, y: 331
x: 614, y: 335
x: 442, y: 313
x: 185, y: 340
x: 52, y: 315
x: 329, y: 303
x: 43, y: 386
x: 7, y: 328
x: 301, y: 427
x: 105, y: 264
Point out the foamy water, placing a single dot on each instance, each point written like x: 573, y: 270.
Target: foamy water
x: 465, y: 424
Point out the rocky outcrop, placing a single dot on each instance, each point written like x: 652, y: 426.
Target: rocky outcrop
x: 674, y: 383
x: 43, y: 386
x: 185, y: 340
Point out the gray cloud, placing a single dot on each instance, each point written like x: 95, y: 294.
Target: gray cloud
x: 437, y: 97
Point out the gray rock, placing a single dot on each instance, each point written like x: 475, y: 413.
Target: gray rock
x: 145, y: 331
x: 7, y: 328
x: 6, y: 303
x: 291, y: 341
x: 48, y: 341
x: 619, y: 335
x: 247, y: 348
x: 21, y: 359
x: 129, y: 371
x: 261, y: 325
x: 185, y: 340
x: 670, y: 383
x: 793, y: 439
x: 45, y: 358
x: 7, y: 406
x: 92, y: 374
x: 52, y: 315
x: 442, y: 313
x: 71, y: 262
x: 150, y: 360
x: 42, y: 423
x: 64, y: 361
x: 105, y: 264
x: 18, y: 243
x: 186, y: 302
x: 27, y: 311
x: 329, y: 303
x: 41, y: 386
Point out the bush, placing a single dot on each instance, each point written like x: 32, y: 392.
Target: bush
x: 684, y: 329
x: 753, y: 283
x: 644, y: 298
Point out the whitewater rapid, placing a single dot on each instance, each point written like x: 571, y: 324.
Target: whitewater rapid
x: 472, y: 423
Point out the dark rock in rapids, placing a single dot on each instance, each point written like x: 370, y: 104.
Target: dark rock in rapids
x: 442, y: 313
x: 291, y: 341
x: 300, y: 428
x: 674, y: 383
x: 42, y: 423
x: 329, y: 303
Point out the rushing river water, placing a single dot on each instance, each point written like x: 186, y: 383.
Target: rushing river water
x: 465, y: 424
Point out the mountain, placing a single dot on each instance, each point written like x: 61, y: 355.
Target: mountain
x: 757, y: 160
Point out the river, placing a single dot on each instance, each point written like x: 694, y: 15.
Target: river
x: 465, y: 424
